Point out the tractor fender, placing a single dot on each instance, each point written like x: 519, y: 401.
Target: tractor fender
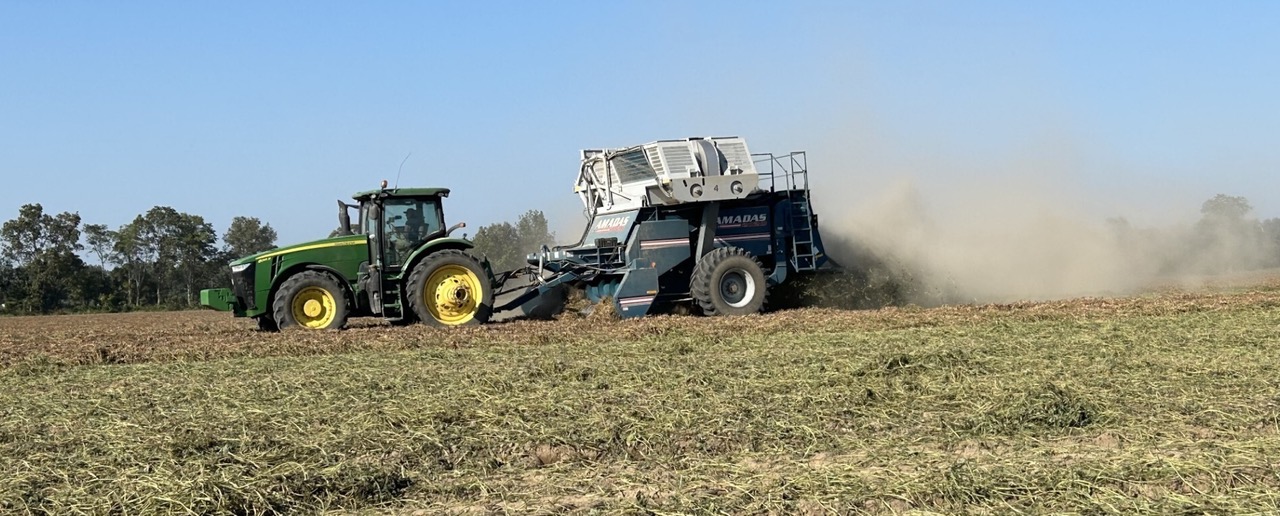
x: 294, y: 269
x: 432, y: 246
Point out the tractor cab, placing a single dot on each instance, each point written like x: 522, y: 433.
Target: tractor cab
x: 397, y: 222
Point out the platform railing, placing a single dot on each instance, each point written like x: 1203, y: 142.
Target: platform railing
x: 790, y: 170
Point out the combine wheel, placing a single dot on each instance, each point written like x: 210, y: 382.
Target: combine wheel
x: 450, y: 288
x: 311, y: 300
x: 729, y: 281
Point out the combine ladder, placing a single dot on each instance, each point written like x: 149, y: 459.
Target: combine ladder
x: 803, y: 255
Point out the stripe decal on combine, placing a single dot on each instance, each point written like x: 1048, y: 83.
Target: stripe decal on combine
x: 628, y: 303
x: 659, y: 244
x: 738, y: 238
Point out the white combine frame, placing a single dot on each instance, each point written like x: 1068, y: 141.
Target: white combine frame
x: 665, y: 173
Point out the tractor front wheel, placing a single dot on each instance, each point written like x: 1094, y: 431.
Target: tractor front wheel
x: 450, y: 288
x: 311, y: 300
x: 729, y: 281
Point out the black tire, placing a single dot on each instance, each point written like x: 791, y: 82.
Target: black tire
x: 266, y: 323
x: 729, y: 281
x: 286, y: 307
x: 453, y: 298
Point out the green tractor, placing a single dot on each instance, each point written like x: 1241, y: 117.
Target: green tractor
x: 398, y: 262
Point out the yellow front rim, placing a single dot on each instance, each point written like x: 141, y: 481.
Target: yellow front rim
x: 314, y: 308
x: 452, y: 294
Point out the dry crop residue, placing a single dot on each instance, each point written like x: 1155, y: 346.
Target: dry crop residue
x: 1165, y: 403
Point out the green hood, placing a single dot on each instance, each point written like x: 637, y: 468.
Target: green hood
x: 305, y: 246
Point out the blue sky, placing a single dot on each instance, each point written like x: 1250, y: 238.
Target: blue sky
x: 275, y: 109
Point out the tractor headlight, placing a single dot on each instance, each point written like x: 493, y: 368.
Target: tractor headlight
x: 240, y: 268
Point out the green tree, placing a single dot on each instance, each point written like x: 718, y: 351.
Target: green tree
x: 1225, y: 238
x: 506, y: 244
x: 101, y: 242
x: 532, y: 228
x: 133, y: 256
x: 1226, y: 208
x: 8, y: 282
x: 42, y: 248
x: 248, y: 235
x: 35, y: 232
x: 499, y: 242
x: 196, y: 241
x: 169, y: 252
x: 93, y: 288
x: 183, y: 244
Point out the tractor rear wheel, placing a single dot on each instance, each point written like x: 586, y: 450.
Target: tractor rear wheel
x: 450, y: 288
x: 311, y: 300
x: 729, y: 281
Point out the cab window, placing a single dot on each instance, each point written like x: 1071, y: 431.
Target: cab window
x: 408, y: 224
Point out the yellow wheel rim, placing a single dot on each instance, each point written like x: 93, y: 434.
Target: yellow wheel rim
x: 452, y: 294
x: 314, y: 308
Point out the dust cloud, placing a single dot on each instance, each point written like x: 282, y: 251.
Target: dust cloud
x: 1011, y: 242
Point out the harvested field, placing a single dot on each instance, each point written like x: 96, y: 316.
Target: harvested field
x: 1166, y: 403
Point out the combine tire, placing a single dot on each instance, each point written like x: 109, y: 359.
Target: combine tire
x: 311, y: 300
x: 729, y: 281
x: 450, y: 288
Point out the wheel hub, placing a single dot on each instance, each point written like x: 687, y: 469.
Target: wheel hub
x: 312, y: 308
x: 460, y: 296
x: 452, y: 294
x: 737, y: 288
x: 732, y: 287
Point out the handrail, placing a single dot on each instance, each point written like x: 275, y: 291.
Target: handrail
x: 792, y: 168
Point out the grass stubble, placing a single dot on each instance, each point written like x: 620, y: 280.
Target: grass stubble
x: 1164, y: 403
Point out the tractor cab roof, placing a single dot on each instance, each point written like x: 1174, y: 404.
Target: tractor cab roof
x: 401, y: 192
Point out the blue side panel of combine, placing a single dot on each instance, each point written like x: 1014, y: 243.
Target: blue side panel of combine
x: 656, y: 247
x: 746, y: 227
x: 616, y: 226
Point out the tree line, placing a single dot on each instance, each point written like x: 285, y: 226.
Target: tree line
x: 1227, y: 238
x: 161, y: 259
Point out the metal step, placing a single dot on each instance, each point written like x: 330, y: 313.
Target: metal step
x: 391, y: 307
